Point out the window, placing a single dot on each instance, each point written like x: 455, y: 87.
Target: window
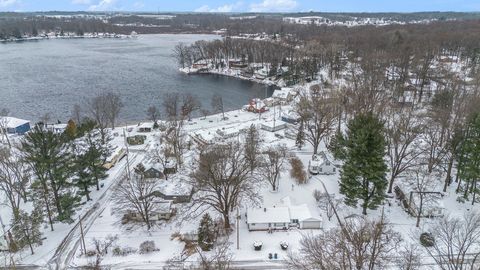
x: 327, y: 163
x: 295, y: 221
x: 279, y: 224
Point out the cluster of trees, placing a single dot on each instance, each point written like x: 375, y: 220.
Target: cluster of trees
x: 359, y: 243
x: 53, y: 172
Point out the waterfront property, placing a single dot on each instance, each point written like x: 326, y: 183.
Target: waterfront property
x: 15, y: 125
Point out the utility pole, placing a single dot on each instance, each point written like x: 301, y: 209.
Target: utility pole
x: 128, y: 154
x: 84, y: 249
x: 238, y: 230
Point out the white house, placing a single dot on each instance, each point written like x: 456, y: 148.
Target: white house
x: 321, y: 164
x: 262, y: 219
x: 261, y: 74
x: 281, y: 217
x: 145, y: 127
x: 14, y: 125
x: 163, y: 211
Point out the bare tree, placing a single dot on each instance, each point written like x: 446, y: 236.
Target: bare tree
x: 457, y: 242
x: 134, y: 195
x: 217, y: 105
x: 4, y: 125
x: 153, y: 114
x: 14, y: 180
x: 113, y: 106
x: 175, y: 139
x: 171, y: 106
x: 219, y: 259
x: 423, y: 184
x: 347, y: 247
x: 222, y: 180
x: 326, y: 202
x: 101, y: 247
x: 408, y: 258
x: 317, y: 113
x: 272, y: 164
x: 402, y: 130
x: 190, y: 104
x: 162, y: 154
x: 181, y: 52
x: 77, y: 114
x: 435, y: 151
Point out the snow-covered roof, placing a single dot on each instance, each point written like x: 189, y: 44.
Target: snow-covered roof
x: 268, y: 215
x: 146, y: 125
x: 280, y: 93
x: 301, y: 212
x: 176, y: 187
x: 13, y: 122
x: 163, y: 206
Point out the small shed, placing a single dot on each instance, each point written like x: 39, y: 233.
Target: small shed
x: 15, y: 125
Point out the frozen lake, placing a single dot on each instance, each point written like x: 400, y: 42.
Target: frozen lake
x: 50, y: 76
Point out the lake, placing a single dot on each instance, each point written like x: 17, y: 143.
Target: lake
x: 50, y: 76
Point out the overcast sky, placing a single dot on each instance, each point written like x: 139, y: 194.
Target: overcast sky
x: 242, y: 5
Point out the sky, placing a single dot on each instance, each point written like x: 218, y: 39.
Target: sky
x: 242, y: 5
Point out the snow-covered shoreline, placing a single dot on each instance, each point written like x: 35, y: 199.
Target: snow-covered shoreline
x: 232, y: 74
x: 85, y: 36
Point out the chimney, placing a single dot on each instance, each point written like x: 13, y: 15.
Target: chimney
x: 264, y: 209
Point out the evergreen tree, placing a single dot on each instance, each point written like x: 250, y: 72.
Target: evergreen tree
x: 47, y: 154
x: 300, y: 140
x: 89, y: 162
x: 469, y: 167
x: 336, y: 146
x: 363, y: 174
x: 206, y: 233
x: 26, y: 230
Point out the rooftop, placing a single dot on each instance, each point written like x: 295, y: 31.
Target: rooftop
x: 13, y: 122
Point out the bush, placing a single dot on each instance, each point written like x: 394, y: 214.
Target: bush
x: 298, y: 170
x: 147, y: 247
x: 125, y: 251
x: 427, y: 240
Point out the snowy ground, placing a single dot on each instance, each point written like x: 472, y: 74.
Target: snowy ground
x: 102, y: 220
x: 108, y: 222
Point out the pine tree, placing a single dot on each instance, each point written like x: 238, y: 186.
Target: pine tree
x: 206, y: 233
x: 89, y: 162
x: 336, y: 147
x: 26, y: 229
x: 300, y: 140
x: 47, y: 154
x: 363, y: 174
x: 469, y: 168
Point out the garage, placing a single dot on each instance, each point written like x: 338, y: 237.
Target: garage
x: 311, y: 223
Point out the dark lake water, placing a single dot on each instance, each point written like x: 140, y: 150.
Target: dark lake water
x: 50, y: 76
